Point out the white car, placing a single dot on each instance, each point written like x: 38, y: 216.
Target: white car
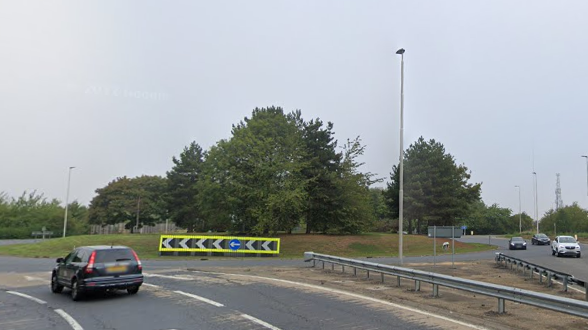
x: 565, y: 246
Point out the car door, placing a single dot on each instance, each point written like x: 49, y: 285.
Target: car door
x: 70, y: 267
x: 61, y: 269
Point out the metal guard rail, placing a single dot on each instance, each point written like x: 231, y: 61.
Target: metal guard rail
x: 551, y: 302
x: 550, y: 273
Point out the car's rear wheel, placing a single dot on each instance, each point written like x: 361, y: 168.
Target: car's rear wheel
x: 133, y: 290
x: 55, y: 286
x: 76, y: 294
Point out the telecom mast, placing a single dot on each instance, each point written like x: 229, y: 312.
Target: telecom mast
x: 558, y: 201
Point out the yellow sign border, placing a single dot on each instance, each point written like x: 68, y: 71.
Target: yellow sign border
x: 162, y: 249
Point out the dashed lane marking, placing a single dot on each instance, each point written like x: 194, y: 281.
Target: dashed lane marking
x: 260, y: 322
x: 206, y: 300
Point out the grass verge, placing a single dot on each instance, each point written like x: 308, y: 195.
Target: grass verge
x: 292, y: 246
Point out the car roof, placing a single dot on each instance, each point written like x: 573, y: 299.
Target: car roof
x: 103, y: 247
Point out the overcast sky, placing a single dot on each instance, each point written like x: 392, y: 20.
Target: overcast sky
x: 117, y: 88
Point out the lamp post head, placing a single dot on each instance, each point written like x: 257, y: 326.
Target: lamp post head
x: 72, y: 167
x: 400, y: 51
x: 585, y: 156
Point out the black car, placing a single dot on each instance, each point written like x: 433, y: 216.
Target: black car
x: 516, y: 243
x: 540, y: 239
x: 98, y: 268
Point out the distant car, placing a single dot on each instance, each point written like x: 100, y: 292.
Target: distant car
x: 517, y: 243
x: 540, y: 239
x: 565, y: 246
x: 98, y: 268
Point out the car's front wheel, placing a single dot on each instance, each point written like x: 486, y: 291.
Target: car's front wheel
x: 76, y: 294
x: 55, y: 286
x: 133, y: 290
x: 552, y: 252
x: 578, y: 256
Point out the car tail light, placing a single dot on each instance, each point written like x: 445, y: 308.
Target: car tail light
x: 138, y: 261
x: 90, y: 266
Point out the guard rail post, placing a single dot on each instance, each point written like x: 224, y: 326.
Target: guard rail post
x: 435, y: 290
x: 382, y: 277
x: 501, y: 307
x: 368, y: 274
x: 417, y: 285
x: 565, y: 283
x: 549, y: 278
x: 398, y: 284
x: 354, y: 271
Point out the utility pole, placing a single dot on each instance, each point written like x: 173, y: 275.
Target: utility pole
x: 401, y: 190
x: 67, y: 200
x: 520, y: 215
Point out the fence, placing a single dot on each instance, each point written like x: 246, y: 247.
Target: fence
x: 159, y: 228
x: 501, y: 292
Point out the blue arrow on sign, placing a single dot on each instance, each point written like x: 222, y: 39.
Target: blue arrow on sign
x: 234, y: 244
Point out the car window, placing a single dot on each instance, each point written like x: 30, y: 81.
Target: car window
x: 82, y: 256
x: 77, y: 258
x: 70, y: 257
x: 113, y: 255
x: 567, y: 240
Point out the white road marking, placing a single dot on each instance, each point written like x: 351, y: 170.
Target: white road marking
x: 206, y: 300
x: 260, y: 322
x: 37, y: 300
x: 70, y: 320
x: 171, y: 277
x: 354, y: 295
x: 151, y: 285
x: 33, y: 278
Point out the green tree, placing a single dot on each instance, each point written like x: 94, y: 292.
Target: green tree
x: 257, y: 174
x: 569, y: 219
x: 182, y: 190
x: 122, y: 199
x: 354, y: 208
x: 32, y: 211
x: 436, y: 189
x: 526, y: 223
x: 323, y: 163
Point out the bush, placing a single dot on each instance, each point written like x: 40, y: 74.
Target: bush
x: 15, y: 233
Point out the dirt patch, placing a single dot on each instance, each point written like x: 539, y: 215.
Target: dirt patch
x: 455, y: 304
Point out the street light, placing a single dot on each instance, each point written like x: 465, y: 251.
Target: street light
x: 520, y: 215
x: 586, y: 172
x: 67, y: 200
x: 536, y: 208
x: 401, y: 190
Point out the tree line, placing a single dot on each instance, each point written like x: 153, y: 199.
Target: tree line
x: 280, y: 173
x: 32, y: 211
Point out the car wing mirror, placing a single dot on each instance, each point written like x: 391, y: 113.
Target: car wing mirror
x: 60, y: 260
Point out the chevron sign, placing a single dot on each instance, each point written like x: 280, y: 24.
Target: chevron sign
x: 227, y: 244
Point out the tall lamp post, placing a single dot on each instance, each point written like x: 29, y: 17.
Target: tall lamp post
x: 520, y: 215
x: 401, y: 190
x: 586, y: 172
x: 67, y: 200
x: 536, y: 208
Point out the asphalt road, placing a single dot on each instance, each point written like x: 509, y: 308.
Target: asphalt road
x: 186, y: 300
x: 207, y: 301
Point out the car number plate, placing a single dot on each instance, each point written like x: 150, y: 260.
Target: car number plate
x: 116, y: 269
